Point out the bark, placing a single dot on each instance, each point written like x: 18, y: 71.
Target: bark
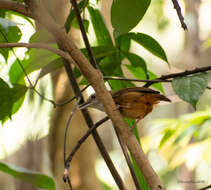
x: 82, y: 171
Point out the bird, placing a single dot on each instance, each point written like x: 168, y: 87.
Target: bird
x: 132, y: 102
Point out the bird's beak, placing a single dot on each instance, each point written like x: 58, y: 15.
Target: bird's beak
x: 85, y: 105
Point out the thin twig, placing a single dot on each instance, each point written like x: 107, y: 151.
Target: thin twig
x: 73, y: 98
x: 180, y: 74
x: 58, y: 104
x: 66, y: 178
x: 31, y: 86
x: 204, y: 188
x: 83, y: 32
x: 43, y: 46
x: 70, y: 156
x: 90, y: 131
x: 69, y: 183
x: 68, y: 124
x: 15, y: 6
x: 179, y: 13
x: 134, y: 80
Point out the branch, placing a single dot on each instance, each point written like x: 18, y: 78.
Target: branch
x: 89, y: 122
x: 95, y: 78
x: 83, y: 32
x: 82, y: 139
x: 67, y: 127
x: 38, y: 45
x: 134, y: 80
x: 179, y: 13
x: 15, y: 6
x: 180, y: 74
x: 204, y: 188
x: 66, y: 177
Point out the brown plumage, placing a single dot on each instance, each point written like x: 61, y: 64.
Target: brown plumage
x: 137, y: 102
x: 134, y: 103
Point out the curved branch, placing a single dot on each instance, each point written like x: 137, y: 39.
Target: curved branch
x: 15, y: 6
x: 38, y: 45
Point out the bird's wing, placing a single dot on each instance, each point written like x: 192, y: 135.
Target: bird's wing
x: 134, y: 89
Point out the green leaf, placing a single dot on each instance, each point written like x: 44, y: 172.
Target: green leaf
x: 3, y: 13
x: 125, y: 15
x: 150, y: 44
x: 38, y: 179
x: 6, y: 23
x: 50, y: 67
x: 11, y: 99
x: 204, y: 130
x: 100, y: 29
x: 76, y: 72
x: 190, y: 88
x: 140, y: 176
x: 35, y: 59
x: 139, y: 73
x: 22, y: 16
x: 166, y: 136
x: 85, y: 23
x: 138, y: 172
x: 101, y: 51
x: 187, y: 132
x: 136, y: 61
x: 83, y: 81
x: 123, y: 42
x: 72, y: 15
x: 118, y: 84
x: 207, y: 43
x: 106, y: 64
x: 106, y: 186
x: 105, y: 57
x: 5, y: 100
x: 9, y: 32
x: 41, y: 36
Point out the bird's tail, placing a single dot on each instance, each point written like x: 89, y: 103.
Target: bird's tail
x: 164, y: 98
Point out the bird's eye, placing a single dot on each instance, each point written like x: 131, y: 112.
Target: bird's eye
x: 93, y: 96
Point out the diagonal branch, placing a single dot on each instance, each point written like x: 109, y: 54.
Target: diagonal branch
x: 96, y: 80
x: 179, y: 13
x: 83, y: 32
x: 15, y: 6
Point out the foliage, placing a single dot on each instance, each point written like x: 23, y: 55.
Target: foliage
x: 109, y: 51
x: 38, y: 179
x: 186, y: 139
x: 108, y: 54
x: 190, y: 88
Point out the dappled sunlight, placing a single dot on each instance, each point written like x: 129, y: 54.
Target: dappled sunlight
x: 31, y: 122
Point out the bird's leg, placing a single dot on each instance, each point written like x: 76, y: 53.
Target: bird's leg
x: 136, y: 122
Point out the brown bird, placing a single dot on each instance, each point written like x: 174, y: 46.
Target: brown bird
x: 134, y: 103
